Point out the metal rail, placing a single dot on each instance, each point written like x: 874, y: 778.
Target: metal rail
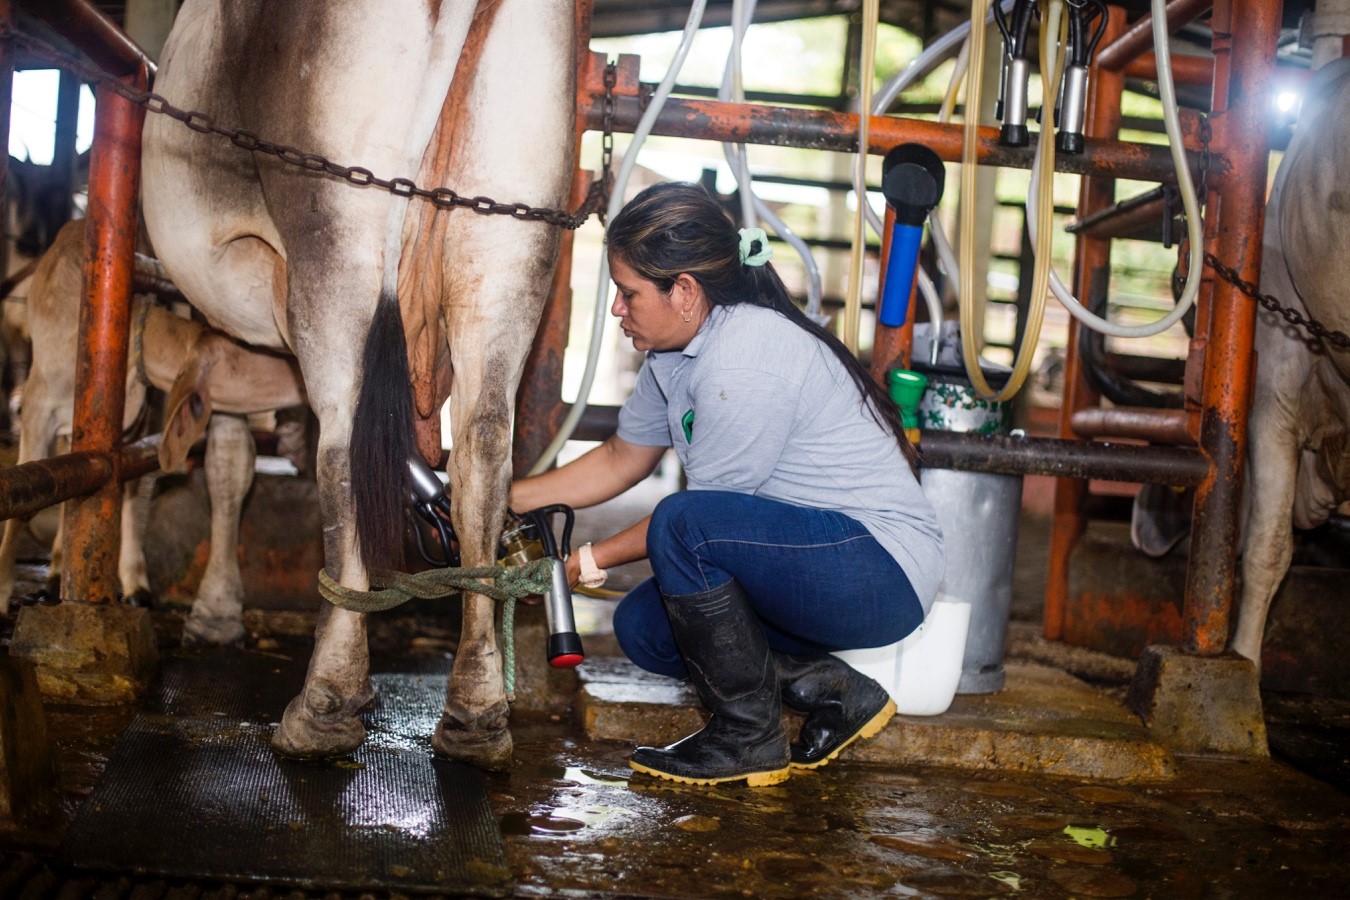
x: 1219, y: 372
x: 1220, y: 361
x: 90, y: 477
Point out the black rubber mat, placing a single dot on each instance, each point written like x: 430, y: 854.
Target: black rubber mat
x: 193, y: 790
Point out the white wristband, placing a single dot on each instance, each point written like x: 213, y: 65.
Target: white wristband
x: 591, y: 575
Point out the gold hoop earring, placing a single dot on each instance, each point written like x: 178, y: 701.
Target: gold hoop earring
x: 687, y: 315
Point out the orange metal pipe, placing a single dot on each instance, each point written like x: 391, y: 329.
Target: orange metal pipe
x: 1159, y: 426
x: 41, y: 483
x: 817, y: 129
x: 1119, y: 52
x: 97, y: 36
x: 1092, y: 261
x: 1186, y: 69
x: 1245, y: 33
x: 892, y: 346
x: 92, y: 522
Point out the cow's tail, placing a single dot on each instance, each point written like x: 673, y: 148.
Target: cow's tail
x: 382, y: 440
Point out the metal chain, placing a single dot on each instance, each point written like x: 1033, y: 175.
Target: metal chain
x: 1206, y: 133
x: 441, y: 197
x: 607, y: 140
x: 1338, y: 339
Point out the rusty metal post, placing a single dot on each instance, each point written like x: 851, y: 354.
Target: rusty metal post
x: 1245, y: 33
x: 892, y: 346
x: 92, y: 523
x: 1092, y: 264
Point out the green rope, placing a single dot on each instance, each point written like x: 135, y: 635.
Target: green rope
x: 391, y: 589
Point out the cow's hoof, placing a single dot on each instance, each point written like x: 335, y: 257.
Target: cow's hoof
x: 208, y: 631
x: 319, y: 722
x: 488, y: 750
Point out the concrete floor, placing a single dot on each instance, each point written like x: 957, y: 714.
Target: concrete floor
x: 884, y: 821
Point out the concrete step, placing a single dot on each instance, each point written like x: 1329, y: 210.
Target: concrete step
x: 1044, y: 721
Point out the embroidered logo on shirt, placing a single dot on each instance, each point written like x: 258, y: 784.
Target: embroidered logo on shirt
x: 687, y: 423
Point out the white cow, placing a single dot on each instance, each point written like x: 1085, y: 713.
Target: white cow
x: 360, y: 284
x: 209, y: 378
x: 1299, y: 432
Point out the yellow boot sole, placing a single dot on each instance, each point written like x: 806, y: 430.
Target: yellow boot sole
x: 871, y: 728
x: 753, y: 779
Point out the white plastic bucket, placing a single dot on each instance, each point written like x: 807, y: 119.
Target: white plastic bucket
x: 920, y: 672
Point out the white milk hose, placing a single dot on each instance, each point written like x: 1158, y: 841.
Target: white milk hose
x: 752, y: 207
x: 1190, y: 202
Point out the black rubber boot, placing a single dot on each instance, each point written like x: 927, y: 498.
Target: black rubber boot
x: 731, y: 668
x: 841, y: 703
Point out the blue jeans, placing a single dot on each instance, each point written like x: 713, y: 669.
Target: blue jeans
x: 817, y: 579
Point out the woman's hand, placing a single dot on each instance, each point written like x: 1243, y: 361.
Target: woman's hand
x: 573, y: 566
x: 625, y: 547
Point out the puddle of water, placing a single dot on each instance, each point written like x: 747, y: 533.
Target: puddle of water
x: 590, y: 816
x: 1032, y: 822
x: 578, y: 775
x: 520, y: 824
x: 927, y: 845
x: 1002, y: 789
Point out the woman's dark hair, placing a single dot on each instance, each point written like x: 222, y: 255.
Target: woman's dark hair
x: 675, y: 227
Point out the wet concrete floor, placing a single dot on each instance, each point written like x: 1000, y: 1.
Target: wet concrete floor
x: 577, y: 822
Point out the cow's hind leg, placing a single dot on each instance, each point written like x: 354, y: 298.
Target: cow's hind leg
x: 217, y: 611
x: 1268, y: 539
x: 490, y: 338
x: 323, y: 720
x: 473, y: 725
x: 512, y: 138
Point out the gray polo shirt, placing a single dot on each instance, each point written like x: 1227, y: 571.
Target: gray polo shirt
x: 755, y: 404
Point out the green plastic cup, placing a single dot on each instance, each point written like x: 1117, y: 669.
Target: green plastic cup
x: 906, y: 389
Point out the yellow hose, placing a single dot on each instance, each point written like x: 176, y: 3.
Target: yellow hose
x: 1051, y: 61
x: 853, y: 296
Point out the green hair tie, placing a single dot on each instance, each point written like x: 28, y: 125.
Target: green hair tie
x: 749, y: 256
